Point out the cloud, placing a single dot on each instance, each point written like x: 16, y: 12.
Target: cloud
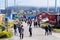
x: 37, y: 3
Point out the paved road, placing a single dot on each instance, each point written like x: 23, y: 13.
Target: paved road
x: 38, y: 34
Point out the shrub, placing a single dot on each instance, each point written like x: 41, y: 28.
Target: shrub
x: 11, y: 24
x: 43, y: 24
x: 56, y: 30
x: 5, y: 34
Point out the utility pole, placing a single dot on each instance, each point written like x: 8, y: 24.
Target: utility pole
x: 6, y: 3
x: 47, y: 5
x: 55, y: 5
x: 58, y: 17
x: 14, y: 13
x: 14, y: 5
x: 6, y: 19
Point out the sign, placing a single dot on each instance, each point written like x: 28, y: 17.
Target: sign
x: 14, y: 16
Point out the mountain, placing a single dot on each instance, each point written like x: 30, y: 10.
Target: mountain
x: 28, y: 8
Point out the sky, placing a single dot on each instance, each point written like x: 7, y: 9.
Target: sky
x: 34, y: 3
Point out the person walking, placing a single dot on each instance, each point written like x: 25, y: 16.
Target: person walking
x: 50, y: 29
x: 30, y: 30
x: 21, y: 31
x: 30, y: 22
x: 46, y: 30
x: 15, y: 29
x: 35, y: 22
x: 38, y: 23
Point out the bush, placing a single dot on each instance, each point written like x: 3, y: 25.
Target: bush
x: 56, y: 30
x: 5, y: 34
x: 11, y: 24
x: 43, y: 24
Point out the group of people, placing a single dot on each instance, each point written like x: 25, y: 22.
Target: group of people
x: 20, y: 28
x: 48, y: 29
x: 36, y: 23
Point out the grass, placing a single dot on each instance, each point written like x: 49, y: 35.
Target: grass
x: 0, y: 29
x: 56, y: 30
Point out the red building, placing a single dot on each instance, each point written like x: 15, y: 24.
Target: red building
x: 57, y: 19
x: 42, y: 15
